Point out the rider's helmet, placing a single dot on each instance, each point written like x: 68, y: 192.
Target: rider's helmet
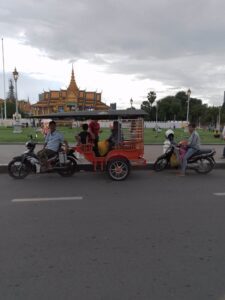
x: 169, y: 134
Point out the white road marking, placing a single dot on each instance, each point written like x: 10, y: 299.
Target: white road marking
x: 219, y: 194
x: 47, y: 199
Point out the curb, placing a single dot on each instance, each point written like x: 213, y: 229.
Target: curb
x: 89, y: 167
x: 86, y: 167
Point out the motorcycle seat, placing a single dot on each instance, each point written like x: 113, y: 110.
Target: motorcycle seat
x: 204, y: 151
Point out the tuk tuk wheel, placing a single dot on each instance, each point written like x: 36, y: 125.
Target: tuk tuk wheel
x: 118, y: 169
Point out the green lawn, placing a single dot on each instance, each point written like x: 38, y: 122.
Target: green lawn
x: 150, y: 136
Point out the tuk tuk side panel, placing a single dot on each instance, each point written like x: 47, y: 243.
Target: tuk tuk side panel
x: 133, y: 129
x: 131, y: 147
x: 87, y: 151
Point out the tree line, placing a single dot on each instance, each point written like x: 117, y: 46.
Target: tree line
x: 175, y: 108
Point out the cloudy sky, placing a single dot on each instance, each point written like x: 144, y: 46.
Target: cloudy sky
x: 124, y: 48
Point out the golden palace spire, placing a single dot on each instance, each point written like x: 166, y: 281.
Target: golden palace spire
x: 73, y: 86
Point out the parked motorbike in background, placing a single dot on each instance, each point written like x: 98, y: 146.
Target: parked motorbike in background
x: 63, y: 162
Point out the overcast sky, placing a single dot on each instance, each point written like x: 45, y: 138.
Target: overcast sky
x: 124, y: 48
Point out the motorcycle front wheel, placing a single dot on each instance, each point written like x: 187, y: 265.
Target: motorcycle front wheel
x: 205, y: 165
x: 69, y: 168
x: 160, y: 164
x: 18, y: 169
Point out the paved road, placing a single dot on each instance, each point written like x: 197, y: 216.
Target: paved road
x: 155, y: 236
x: 151, y: 151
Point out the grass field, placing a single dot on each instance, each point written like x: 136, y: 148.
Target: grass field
x: 150, y: 136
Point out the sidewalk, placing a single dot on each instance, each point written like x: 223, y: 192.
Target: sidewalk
x: 8, y: 151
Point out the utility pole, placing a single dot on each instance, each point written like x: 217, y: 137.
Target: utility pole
x: 3, y: 64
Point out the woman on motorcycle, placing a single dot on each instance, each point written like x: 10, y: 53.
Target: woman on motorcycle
x: 193, y: 146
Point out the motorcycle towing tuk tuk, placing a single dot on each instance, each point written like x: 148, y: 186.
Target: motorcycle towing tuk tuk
x: 126, y: 153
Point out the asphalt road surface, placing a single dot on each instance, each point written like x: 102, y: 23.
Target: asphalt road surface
x: 155, y: 236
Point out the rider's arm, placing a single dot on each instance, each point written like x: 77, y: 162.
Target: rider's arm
x: 46, y: 141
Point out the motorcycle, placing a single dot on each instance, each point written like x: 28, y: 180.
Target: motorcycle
x: 63, y: 162
x: 201, y: 162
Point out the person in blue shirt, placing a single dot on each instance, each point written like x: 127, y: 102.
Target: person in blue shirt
x: 53, y: 142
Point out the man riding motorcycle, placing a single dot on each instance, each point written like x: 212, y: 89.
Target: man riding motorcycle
x: 53, y: 142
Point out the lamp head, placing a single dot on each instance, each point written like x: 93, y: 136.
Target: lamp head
x: 189, y: 92
x: 15, y: 74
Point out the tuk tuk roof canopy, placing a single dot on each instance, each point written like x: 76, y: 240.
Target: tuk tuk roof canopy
x: 97, y: 115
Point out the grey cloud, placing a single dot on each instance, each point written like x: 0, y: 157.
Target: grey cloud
x: 178, y: 42
x: 80, y: 28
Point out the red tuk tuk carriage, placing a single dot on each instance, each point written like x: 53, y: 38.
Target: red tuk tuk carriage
x: 128, y: 152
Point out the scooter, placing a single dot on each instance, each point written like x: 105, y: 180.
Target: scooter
x: 63, y: 162
x: 202, y: 161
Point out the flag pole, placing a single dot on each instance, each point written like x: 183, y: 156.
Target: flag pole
x: 3, y: 63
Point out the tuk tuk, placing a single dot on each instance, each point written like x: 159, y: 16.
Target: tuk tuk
x: 124, y: 154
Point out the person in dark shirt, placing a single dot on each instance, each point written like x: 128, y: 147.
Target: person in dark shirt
x: 116, y: 136
x: 84, y: 136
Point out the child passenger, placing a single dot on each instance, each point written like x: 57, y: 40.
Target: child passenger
x: 84, y: 136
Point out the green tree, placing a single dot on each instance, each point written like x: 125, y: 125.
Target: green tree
x: 147, y: 108
x: 147, y: 105
x: 151, y: 97
x: 11, y: 94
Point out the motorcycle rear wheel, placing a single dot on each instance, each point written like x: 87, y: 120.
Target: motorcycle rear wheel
x: 160, y: 164
x: 205, y: 165
x: 18, y: 169
x: 70, y: 167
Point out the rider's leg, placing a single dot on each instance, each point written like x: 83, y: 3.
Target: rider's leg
x: 187, y: 155
x: 50, y: 153
x: 43, y: 157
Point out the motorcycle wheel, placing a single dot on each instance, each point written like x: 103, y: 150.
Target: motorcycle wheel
x: 70, y: 167
x: 18, y: 169
x: 160, y: 164
x: 205, y: 165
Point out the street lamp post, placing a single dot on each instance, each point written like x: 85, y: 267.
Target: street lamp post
x: 131, y: 103
x: 16, y: 116
x: 16, y: 76
x: 188, y: 103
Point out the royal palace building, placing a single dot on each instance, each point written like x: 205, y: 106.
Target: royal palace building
x: 71, y: 99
